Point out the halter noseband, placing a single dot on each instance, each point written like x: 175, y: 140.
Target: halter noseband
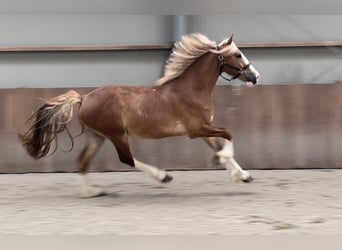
x: 224, y: 64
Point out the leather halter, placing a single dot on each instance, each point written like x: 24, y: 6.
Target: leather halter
x: 224, y: 64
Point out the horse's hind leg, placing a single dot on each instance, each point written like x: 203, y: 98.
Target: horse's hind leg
x: 216, y: 145
x: 157, y: 174
x: 94, y: 142
x: 122, y: 147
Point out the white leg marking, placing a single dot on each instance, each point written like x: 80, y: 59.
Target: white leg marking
x: 155, y: 173
x: 88, y: 191
x: 222, y: 160
x: 236, y: 172
x: 227, y: 151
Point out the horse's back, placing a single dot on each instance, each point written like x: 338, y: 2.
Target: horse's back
x: 109, y: 107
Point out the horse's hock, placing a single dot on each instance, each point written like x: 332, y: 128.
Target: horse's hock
x: 273, y: 126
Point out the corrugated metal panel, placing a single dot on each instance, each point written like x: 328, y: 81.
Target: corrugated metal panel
x: 274, y: 126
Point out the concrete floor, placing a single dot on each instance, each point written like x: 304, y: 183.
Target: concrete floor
x: 292, y: 202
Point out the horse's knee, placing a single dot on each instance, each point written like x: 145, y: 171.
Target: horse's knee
x: 227, y: 151
x: 218, y: 160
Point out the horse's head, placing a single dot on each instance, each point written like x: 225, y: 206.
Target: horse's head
x: 235, y: 64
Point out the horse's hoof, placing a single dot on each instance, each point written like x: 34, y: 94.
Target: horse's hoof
x: 167, y: 179
x: 101, y: 193
x: 248, y: 180
x: 93, y: 193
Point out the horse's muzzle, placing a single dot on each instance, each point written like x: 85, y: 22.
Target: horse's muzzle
x: 251, y: 77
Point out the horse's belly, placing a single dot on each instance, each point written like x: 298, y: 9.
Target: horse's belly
x: 179, y: 128
x: 151, y: 131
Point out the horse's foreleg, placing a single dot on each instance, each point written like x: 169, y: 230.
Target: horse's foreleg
x: 216, y: 145
x: 236, y: 172
x: 227, y: 152
x: 94, y: 142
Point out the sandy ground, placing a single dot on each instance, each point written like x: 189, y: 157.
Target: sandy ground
x: 292, y: 202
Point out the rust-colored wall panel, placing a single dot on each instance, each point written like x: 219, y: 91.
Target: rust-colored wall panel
x: 273, y: 126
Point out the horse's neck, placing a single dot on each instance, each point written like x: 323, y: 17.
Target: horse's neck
x: 201, y: 76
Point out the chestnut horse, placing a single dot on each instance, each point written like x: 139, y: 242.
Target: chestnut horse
x: 180, y: 104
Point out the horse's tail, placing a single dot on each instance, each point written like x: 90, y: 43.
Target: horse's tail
x: 50, y: 119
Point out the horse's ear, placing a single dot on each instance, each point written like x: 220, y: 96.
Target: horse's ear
x: 230, y: 39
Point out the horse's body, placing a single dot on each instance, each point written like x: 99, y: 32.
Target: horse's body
x: 144, y: 111
x: 180, y: 105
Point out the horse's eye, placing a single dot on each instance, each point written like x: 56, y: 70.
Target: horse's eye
x: 238, y: 55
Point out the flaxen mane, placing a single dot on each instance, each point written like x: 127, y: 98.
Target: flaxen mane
x: 187, y: 51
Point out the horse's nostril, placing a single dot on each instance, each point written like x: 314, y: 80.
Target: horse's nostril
x: 257, y: 77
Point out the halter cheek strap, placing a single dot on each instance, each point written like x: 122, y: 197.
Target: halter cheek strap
x: 224, y: 64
